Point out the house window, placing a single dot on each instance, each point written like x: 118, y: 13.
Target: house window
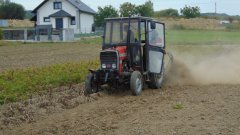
x: 46, y: 19
x: 73, y: 21
x: 57, y: 5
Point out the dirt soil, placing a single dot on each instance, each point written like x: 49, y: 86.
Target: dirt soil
x: 182, y: 106
x: 210, y: 109
x: 200, y: 96
x: 19, y: 55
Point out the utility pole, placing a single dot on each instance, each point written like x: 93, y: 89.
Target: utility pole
x: 215, y: 7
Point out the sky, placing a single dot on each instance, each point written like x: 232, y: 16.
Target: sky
x: 230, y: 7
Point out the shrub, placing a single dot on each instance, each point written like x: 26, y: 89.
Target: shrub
x: 167, y: 13
x: 190, y: 12
x: 233, y: 27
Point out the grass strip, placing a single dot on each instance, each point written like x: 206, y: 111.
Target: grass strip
x: 18, y: 85
x: 202, y: 37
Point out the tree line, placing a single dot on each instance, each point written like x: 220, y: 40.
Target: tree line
x: 11, y: 10
x: 128, y: 9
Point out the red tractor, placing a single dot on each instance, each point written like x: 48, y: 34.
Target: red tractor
x: 132, y: 53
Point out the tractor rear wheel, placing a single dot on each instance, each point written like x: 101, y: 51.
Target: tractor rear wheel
x: 136, y: 83
x: 90, y: 86
x: 156, y: 81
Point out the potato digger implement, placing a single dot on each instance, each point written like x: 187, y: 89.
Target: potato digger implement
x: 132, y: 54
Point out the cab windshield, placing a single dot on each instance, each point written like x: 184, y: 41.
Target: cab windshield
x: 116, y: 32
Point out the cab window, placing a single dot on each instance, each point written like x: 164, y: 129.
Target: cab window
x: 156, y: 36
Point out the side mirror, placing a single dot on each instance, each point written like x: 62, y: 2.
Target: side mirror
x: 153, y: 25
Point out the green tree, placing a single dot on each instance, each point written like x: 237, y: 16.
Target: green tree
x: 167, y: 13
x: 127, y: 9
x: 190, y: 12
x: 12, y: 11
x: 146, y: 9
x: 105, y: 12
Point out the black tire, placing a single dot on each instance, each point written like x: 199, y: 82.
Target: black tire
x: 136, y: 83
x: 90, y: 87
x: 156, y: 80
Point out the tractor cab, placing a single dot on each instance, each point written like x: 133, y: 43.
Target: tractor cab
x: 132, y: 53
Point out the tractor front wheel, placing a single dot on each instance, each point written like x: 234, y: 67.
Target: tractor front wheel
x: 136, y: 83
x: 90, y: 86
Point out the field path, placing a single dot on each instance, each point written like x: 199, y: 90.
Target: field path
x: 211, y: 109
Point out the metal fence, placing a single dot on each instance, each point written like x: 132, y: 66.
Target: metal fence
x: 19, y: 34
x: 44, y: 33
x: 98, y: 32
x: 38, y: 34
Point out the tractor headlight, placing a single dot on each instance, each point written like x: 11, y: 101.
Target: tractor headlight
x: 104, y: 66
x: 114, y: 66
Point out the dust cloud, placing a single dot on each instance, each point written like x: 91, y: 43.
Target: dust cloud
x: 217, y: 67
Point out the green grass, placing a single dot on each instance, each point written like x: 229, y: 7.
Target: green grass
x: 178, y: 106
x: 192, y: 37
x: 17, y: 85
x: 233, y: 27
x: 202, y: 37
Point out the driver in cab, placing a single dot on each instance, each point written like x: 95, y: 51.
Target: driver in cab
x: 125, y: 29
x: 136, y: 53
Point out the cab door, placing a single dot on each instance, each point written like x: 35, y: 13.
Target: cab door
x: 156, y: 47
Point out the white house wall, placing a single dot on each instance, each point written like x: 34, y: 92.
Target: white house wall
x: 47, y: 9
x: 65, y: 22
x: 86, y: 22
x: 53, y: 22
